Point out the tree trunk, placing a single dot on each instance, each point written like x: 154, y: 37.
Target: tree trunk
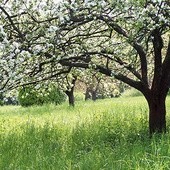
x: 94, y: 95
x: 70, y: 95
x: 157, y: 115
x: 87, y: 94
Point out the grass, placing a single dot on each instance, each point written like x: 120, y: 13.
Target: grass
x: 103, y: 135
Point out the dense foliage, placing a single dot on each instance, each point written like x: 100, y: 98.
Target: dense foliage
x: 55, y: 38
x: 30, y: 95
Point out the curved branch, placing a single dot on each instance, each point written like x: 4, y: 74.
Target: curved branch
x: 12, y: 23
x: 133, y: 43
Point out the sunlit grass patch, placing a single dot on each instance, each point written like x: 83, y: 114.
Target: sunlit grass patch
x: 106, y: 134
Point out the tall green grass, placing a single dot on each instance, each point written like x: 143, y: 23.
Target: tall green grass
x: 103, y: 135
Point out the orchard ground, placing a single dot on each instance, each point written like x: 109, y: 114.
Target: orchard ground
x: 107, y: 134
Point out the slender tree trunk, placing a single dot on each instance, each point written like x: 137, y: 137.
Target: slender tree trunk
x: 157, y: 114
x: 70, y: 95
x: 94, y: 95
x: 87, y: 94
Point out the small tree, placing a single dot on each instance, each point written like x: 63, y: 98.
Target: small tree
x: 92, y: 81
x: 99, y: 86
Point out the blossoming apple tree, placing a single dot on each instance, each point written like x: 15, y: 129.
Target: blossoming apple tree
x: 128, y: 40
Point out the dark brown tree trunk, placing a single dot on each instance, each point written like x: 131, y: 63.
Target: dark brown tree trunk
x: 157, y: 114
x: 70, y: 95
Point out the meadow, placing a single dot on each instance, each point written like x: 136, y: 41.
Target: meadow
x: 109, y: 134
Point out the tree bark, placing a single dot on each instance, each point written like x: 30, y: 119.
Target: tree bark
x: 70, y: 95
x: 157, y: 114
